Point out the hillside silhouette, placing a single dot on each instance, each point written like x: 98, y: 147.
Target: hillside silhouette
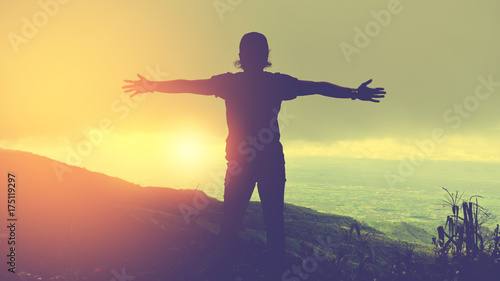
x: 90, y: 225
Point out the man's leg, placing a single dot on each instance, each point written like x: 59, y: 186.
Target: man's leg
x: 271, y: 191
x: 237, y: 192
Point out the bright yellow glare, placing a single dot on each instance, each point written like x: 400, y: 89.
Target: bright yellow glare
x: 189, y: 152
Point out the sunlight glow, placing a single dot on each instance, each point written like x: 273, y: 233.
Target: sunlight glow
x: 189, y: 152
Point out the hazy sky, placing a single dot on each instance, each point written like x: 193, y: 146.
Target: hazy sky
x: 62, y: 67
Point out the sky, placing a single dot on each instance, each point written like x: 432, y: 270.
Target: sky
x: 62, y: 65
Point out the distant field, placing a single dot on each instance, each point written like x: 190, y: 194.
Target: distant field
x: 358, y: 188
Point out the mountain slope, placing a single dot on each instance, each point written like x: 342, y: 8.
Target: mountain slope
x: 89, y: 225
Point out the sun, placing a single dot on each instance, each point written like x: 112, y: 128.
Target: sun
x: 189, y: 151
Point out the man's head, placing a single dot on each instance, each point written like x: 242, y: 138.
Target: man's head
x: 254, y: 52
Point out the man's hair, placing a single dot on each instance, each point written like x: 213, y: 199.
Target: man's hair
x: 254, y: 52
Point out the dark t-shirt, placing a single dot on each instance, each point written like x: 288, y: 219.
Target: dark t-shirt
x: 253, y: 102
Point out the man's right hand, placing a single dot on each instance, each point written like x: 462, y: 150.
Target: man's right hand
x: 370, y: 94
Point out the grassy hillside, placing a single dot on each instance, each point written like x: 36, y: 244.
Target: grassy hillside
x: 88, y: 226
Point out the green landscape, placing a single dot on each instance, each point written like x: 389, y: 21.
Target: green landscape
x: 95, y: 227
x: 358, y: 188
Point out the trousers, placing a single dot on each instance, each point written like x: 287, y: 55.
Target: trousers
x: 268, y: 172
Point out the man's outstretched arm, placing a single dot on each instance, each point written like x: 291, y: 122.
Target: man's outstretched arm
x: 143, y: 85
x: 363, y: 92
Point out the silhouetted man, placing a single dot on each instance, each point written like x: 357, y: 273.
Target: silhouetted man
x: 253, y: 150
